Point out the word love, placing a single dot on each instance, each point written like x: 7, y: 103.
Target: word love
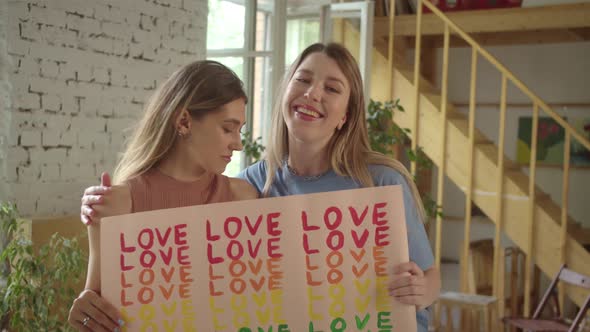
x: 171, y: 241
x: 333, y: 217
x: 361, y: 323
x: 165, y: 267
x: 235, y: 249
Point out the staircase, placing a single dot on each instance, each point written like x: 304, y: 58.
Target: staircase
x: 546, y: 248
x: 546, y: 251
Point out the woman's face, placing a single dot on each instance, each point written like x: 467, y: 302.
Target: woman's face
x: 316, y: 100
x: 216, y: 135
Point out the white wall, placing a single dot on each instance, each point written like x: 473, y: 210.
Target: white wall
x: 5, y: 99
x: 557, y: 73
x: 81, y: 73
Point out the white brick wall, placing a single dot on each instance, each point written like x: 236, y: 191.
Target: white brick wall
x: 81, y: 71
x: 5, y: 104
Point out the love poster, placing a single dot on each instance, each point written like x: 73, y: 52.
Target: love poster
x: 307, y: 263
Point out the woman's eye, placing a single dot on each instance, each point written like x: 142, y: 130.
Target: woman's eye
x: 226, y: 130
x: 332, y: 89
x: 302, y: 80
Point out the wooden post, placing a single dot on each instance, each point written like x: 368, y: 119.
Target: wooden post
x: 417, y: 49
x: 564, y: 208
x: 529, y: 253
x: 469, y: 188
x: 498, y: 284
x: 391, y: 44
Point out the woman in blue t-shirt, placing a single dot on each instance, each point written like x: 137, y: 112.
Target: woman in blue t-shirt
x: 319, y: 142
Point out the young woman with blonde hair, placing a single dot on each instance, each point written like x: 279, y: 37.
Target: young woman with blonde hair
x: 174, y: 158
x: 319, y: 142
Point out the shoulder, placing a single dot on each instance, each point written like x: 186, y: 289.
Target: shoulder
x: 255, y: 174
x: 384, y: 175
x: 258, y: 169
x: 242, y: 190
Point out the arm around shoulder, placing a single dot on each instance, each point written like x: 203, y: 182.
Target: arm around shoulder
x: 242, y: 190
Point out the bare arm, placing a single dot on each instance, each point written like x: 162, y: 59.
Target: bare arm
x: 93, y: 273
x: 242, y: 190
x: 116, y: 203
x: 411, y: 285
x: 432, y: 276
x: 90, y: 311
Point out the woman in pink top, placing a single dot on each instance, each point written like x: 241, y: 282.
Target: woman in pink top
x: 174, y: 158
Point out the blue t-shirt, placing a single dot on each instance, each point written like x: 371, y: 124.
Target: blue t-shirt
x: 285, y: 184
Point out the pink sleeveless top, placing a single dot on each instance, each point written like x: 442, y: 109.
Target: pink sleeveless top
x: 155, y: 190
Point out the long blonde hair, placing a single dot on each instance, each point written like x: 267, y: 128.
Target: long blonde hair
x: 199, y: 87
x: 349, y: 149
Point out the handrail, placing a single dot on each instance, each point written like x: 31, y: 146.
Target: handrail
x: 534, y: 98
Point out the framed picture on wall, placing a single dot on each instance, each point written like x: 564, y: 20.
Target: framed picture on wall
x: 550, y: 142
x: 580, y: 156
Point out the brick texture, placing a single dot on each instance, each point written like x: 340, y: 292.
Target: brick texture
x: 76, y: 74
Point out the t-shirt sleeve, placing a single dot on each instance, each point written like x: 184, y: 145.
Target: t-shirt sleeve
x: 418, y: 244
x: 255, y: 174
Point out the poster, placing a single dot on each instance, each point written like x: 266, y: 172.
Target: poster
x: 318, y: 262
x: 551, y: 140
x: 580, y: 156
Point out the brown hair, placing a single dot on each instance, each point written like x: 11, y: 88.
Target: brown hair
x: 349, y: 149
x: 199, y: 87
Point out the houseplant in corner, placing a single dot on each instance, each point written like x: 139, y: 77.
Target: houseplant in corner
x: 37, y: 283
x: 388, y: 138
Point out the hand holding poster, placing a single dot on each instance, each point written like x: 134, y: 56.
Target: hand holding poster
x: 319, y: 262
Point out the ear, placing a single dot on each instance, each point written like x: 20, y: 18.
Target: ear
x: 342, y: 122
x: 183, y: 122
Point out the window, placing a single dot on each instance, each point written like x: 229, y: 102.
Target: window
x: 239, y: 36
x: 255, y: 37
x: 301, y: 32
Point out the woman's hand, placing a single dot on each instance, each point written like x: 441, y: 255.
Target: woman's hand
x: 104, y: 201
x: 93, y: 198
x: 90, y: 312
x: 411, y: 285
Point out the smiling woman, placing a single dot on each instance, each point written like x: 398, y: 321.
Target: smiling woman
x: 319, y: 142
x: 315, y: 102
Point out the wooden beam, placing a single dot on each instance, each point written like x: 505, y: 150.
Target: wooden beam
x: 582, y: 33
x: 514, y: 38
x: 459, y: 104
x: 567, y: 16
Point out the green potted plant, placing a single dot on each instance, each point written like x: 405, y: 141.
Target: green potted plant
x: 253, y: 148
x: 37, y: 285
x: 388, y: 138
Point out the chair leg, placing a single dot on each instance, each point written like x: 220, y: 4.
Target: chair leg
x: 464, y: 320
x: 475, y: 321
x: 449, y: 313
x: 486, y: 319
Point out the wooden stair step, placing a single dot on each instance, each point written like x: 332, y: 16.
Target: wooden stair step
x: 425, y: 86
x: 491, y: 151
x: 463, y: 125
